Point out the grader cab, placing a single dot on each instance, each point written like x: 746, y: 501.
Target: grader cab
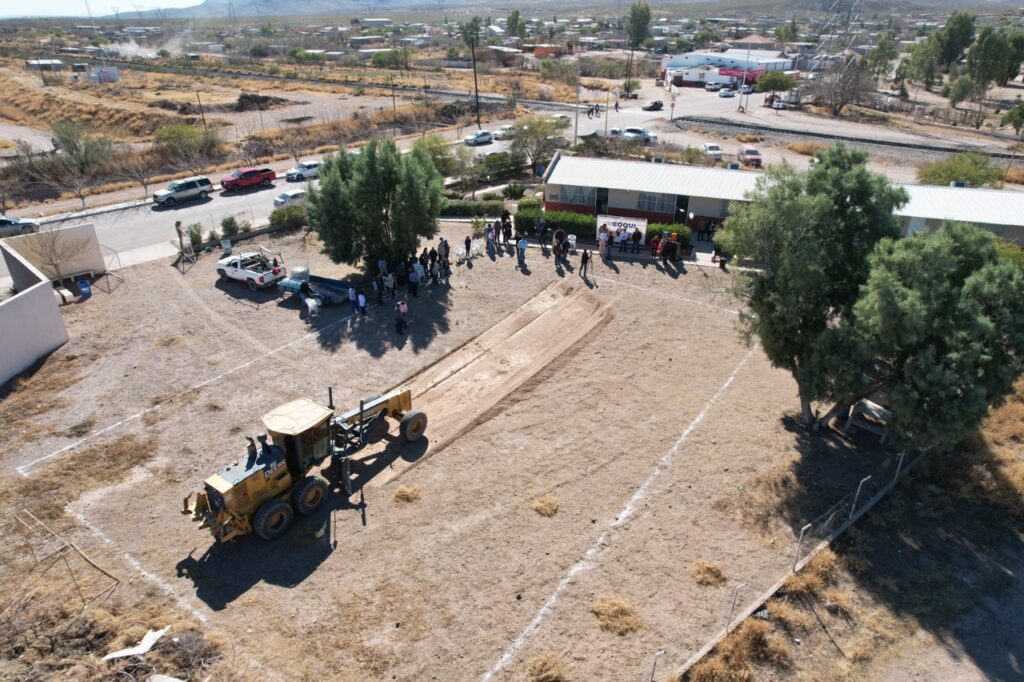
x: 261, y: 492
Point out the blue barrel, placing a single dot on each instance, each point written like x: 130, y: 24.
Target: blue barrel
x: 84, y: 289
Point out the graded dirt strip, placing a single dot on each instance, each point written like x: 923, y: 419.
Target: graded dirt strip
x: 460, y: 389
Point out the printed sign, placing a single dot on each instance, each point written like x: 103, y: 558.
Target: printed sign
x: 613, y: 224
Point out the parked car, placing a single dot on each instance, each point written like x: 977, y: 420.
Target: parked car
x: 712, y: 87
x: 257, y: 269
x: 778, y: 104
x: 749, y: 156
x: 189, y: 189
x: 562, y: 120
x: 504, y: 132
x: 478, y: 138
x: 726, y: 92
x: 639, y: 135
x: 12, y: 227
x: 746, y: 89
x: 654, y: 105
x: 711, y: 150
x: 291, y: 197
x: 304, y: 170
x: 244, y: 178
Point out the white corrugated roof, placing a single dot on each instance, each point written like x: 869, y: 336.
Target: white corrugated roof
x: 643, y: 176
x: 961, y: 204
x: 965, y: 204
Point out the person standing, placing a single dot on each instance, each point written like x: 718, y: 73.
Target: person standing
x: 602, y: 241
x: 435, y: 273
x: 378, y: 287
x: 637, y: 237
x: 521, y: 247
x: 414, y: 282
x: 469, y: 244
x: 433, y: 257
x: 389, y: 284
x: 556, y: 251
x: 352, y: 300
x: 400, y: 310
x: 382, y: 266
x: 584, y: 262
x: 361, y: 300
x: 542, y: 231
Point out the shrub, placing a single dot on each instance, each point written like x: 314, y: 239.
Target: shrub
x: 245, y: 226
x: 708, y: 574
x: 658, y: 228
x: 530, y: 203
x: 574, y: 223
x: 546, y: 506
x: 1010, y: 253
x: 805, y: 148
x: 195, y: 235
x: 502, y: 164
x: 478, y: 226
x: 230, y: 226
x: 514, y: 191
x: 407, y: 493
x: 490, y: 196
x: 467, y: 208
x: 616, y: 615
x: 213, y: 236
x: 288, y: 218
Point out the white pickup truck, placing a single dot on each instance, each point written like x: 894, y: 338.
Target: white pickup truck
x: 258, y: 269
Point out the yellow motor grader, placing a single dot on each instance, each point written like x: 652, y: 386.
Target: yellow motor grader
x: 261, y: 491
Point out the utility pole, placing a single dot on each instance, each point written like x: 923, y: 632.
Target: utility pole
x: 1013, y: 156
x: 746, y: 66
x: 576, y: 129
x: 259, y: 108
x: 201, y: 113
x: 394, y: 109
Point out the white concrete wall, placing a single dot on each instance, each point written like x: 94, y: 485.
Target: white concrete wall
x: 31, y: 321
x: 702, y: 206
x: 77, y: 244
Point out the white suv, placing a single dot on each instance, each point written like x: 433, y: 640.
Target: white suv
x: 711, y: 151
x: 303, y: 171
x: 197, y: 187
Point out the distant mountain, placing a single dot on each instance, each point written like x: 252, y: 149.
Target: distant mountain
x: 286, y: 8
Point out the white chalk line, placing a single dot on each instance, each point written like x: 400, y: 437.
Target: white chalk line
x: 647, y: 290
x: 163, y: 585
x: 627, y: 511
x: 25, y: 468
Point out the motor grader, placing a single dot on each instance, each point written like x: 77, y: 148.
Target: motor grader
x: 261, y: 492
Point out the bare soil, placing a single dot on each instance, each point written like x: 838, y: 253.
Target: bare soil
x: 628, y: 397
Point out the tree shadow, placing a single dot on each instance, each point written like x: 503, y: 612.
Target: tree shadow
x: 376, y: 334
x: 941, y: 549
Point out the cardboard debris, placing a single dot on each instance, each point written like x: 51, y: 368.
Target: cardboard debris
x: 151, y: 638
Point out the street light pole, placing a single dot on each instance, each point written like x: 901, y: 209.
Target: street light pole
x: 746, y: 66
x: 576, y: 128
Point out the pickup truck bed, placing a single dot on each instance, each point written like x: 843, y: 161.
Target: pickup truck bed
x: 326, y: 289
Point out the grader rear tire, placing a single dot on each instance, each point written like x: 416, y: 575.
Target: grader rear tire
x: 272, y: 519
x: 413, y: 425
x: 309, y: 494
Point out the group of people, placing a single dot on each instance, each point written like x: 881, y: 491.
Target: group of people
x: 499, y: 229
x: 628, y: 240
x: 594, y: 110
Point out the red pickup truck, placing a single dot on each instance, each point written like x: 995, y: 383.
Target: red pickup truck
x: 243, y: 178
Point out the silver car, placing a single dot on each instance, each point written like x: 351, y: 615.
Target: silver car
x: 189, y: 189
x: 303, y: 171
x: 11, y: 227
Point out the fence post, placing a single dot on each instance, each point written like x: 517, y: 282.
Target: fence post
x: 899, y: 466
x: 853, y: 507
x: 735, y: 594
x: 799, y: 544
x: 657, y: 655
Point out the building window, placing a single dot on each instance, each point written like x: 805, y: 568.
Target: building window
x: 655, y: 203
x: 571, y: 194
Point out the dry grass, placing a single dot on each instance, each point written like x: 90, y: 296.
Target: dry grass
x: 546, y: 506
x: 805, y: 148
x: 34, y: 395
x: 81, y: 429
x: 616, y: 615
x: 407, y: 494
x: 837, y: 602
x: 734, y: 658
x: 792, y: 617
x: 53, y: 486
x: 820, y: 572
x: 1015, y: 175
x: 708, y: 574
x: 749, y: 138
x: 545, y: 668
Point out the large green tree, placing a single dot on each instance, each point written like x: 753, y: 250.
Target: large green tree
x: 775, y: 81
x: 638, y: 27
x: 377, y: 204
x: 975, y: 169
x: 924, y: 62
x: 879, y: 59
x: 986, y: 60
x: 955, y: 37
x: 809, y: 235
x: 941, y: 322
x: 515, y: 26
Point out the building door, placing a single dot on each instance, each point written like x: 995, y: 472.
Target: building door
x: 601, y: 201
x: 682, y: 207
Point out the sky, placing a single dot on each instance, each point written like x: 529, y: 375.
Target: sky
x: 76, y: 8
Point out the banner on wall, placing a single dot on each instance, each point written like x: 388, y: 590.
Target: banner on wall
x: 613, y: 223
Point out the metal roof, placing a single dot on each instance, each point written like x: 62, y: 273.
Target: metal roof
x: 644, y: 176
x: 964, y: 204
x: 932, y: 202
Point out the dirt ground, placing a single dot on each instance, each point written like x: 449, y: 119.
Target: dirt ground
x: 629, y: 398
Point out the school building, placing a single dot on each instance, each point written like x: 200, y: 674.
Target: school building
x: 669, y: 193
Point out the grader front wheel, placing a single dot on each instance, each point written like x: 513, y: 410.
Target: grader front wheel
x: 413, y: 425
x: 272, y: 519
